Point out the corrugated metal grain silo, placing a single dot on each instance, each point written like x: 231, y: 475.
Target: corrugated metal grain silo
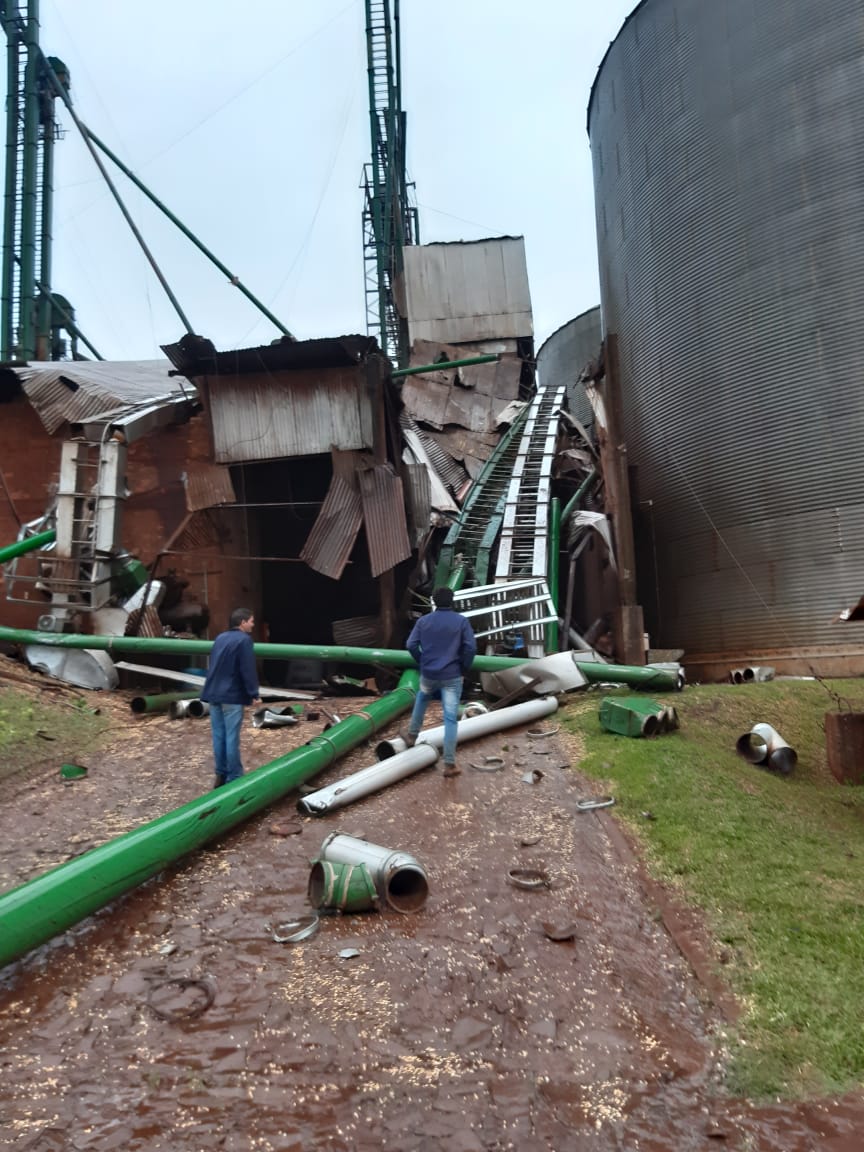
x: 728, y: 151
x: 563, y: 356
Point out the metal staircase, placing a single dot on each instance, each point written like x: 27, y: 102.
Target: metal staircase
x: 524, y: 547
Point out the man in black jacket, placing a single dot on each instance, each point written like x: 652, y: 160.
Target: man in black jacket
x: 232, y: 683
x: 443, y: 645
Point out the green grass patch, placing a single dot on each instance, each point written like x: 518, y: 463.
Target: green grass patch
x: 35, y: 732
x: 776, y: 865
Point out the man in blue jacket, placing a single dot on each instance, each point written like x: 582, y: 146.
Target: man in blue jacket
x: 443, y: 645
x: 231, y: 684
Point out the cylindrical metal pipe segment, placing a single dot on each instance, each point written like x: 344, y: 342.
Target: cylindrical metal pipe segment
x: 764, y: 745
x: 29, y: 544
x: 379, y: 775
x: 159, y: 702
x: 34, y: 912
x: 473, y: 727
x: 399, y: 878
x: 195, y: 707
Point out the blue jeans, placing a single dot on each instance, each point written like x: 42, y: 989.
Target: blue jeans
x: 450, y: 693
x: 225, y: 723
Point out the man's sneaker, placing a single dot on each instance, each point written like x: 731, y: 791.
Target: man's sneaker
x: 452, y: 770
x: 409, y: 738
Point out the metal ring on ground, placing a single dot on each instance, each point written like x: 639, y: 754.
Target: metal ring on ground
x: 181, y: 984
x: 490, y: 764
x: 591, y: 805
x: 528, y: 878
x: 299, y: 929
x: 537, y: 735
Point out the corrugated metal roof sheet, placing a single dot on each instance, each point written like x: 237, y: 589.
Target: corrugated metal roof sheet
x: 384, y: 516
x: 334, y: 532
x: 356, y: 632
x: 265, y: 416
x: 197, y: 356
x: 464, y: 292
x: 419, y: 492
x: 208, y: 485
x: 77, y: 390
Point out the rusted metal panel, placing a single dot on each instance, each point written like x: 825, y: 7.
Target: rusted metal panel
x: 76, y: 390
x: 334, y: 532
x: 208, y: 485
x: 269, y: 416
x: 468, y: 291
x: 384, y: 517
x: 426, y: 399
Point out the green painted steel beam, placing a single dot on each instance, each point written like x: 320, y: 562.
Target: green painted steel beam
x: 33, y: 913
x: 29, y: 544
x: 552, y: 630
x: 445, y: 364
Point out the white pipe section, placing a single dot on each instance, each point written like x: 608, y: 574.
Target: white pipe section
x: 475, y: 726
x: 368, y: 780
x: 183, y: 708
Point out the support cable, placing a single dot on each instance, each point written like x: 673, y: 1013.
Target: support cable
x: 85, y: 135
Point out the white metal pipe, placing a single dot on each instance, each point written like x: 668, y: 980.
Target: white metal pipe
x: 372, y: 779
x: 194, y: 708
x: 475, y: 726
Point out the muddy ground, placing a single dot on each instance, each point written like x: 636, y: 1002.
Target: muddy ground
x: 460, y: 1027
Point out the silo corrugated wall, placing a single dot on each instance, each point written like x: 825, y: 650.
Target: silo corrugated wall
x: 728, y: 151
x: 563, y: 356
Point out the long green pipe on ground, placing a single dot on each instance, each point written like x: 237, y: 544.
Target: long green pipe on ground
x: 53, y: 902
x: 653, y: 679
x: 29, y: 544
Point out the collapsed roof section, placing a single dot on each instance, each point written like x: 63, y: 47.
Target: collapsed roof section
x: 462, y: 300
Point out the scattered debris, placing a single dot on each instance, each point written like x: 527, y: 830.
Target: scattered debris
x: 592, y: 804
x: 529, y: 841
x: 489, y: 764
x: 176, y: 988
x: 532, y: 777
x: 73, y: 771
x: 528, y: 878
x: 348, y: 953
x: 269, y: 717
x: 168, y: 949
x: 559, y: 932
x: 286, y: 828
x: 293, y: 931
x: 534, y: 734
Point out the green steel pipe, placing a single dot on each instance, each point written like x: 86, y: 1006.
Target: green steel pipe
x: 232, y: 279
x: 445, y: 364
x: 654, y: 678
x: 576, y: 498
x: 30, y: 544
x: 395, y: 658
x: 554, y: 548
x: 457, y: 577
x: 34, y: 912
x: 160, y: 702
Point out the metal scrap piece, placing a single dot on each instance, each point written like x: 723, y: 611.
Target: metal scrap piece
x: 293, y: 931
x: 592, y: 804
x: 530, y: 879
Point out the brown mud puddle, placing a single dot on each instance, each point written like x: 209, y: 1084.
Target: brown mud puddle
x: 172, y: 1020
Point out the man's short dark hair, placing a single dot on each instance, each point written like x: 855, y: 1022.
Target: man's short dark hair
x: 240, y: 616
x: 443, y: 597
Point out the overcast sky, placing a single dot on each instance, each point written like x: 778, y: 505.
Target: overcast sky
x: 251, y: 122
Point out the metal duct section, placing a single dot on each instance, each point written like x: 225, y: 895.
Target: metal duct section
x: 728, y: 150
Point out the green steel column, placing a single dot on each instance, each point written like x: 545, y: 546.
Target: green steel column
x: 46, y: 210
x: 29, y: 544
x: 29, y: 190
x: 552, y: 637
x: 34, y: 912
x: 10, y: 202
x: 576, y: 499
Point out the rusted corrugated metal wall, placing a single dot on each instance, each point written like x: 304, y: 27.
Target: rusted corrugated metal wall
x: 728, y: 150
